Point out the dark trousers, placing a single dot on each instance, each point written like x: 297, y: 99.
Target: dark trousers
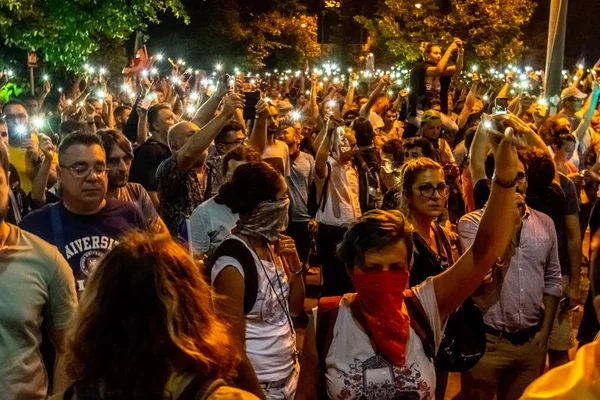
x: 336, y: 281
x: 299, y: 232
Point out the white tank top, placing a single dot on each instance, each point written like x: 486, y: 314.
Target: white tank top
x: 355, y: 371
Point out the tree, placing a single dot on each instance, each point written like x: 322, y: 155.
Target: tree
x: 491, y: 29
x: 245, y: 34
x: 65, y: 33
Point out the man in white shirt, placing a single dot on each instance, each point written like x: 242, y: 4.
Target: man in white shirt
x: 212, y: 221
x: 378, y: 103
x: 339, y: 206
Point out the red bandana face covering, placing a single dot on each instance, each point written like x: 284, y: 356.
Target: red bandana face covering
x: 380, y: 295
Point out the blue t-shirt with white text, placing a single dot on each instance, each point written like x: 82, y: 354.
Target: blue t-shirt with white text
x: 86, y: 237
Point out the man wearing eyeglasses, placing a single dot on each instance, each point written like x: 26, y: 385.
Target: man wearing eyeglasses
x: 84, y: 224
x: 231, y: 136
x: 518, y: 300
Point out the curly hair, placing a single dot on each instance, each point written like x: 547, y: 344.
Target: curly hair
x: 250, y: 185
x: 145, y: 305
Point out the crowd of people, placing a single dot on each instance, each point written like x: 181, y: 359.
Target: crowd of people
x: 158, y: 245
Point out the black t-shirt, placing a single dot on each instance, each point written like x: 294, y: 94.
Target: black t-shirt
x: 481, y: 193
x: 551, y: 201
x: 85, y: 237
x: 146, y: 160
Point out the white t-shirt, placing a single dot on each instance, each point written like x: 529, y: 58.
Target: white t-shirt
x: 269, y: 339
x: 353, y: 365
x: 278, y: 155
x: 342, y: 195
x: 210, y: 223
x: 374, y: 118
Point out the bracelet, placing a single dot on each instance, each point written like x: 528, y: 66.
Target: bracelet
x: 505, y: 185
x: 299, y: 271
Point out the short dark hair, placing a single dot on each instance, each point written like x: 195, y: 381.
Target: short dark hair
x: 396, y: 149
x: 562, y: 138
x: 540, y: 169
x: 4, y: 159
x: 375, y: 229
x: 120, y: 110
x: 84, y: 138
x: 241, y: 153
x: 363, y: 131
x: 257, y: 181
x: 424, y: 144
x: 228, y: 127
x: 13, y: 101
x: 153, y: 113
x: 68, y: 126
x: 112, y: 137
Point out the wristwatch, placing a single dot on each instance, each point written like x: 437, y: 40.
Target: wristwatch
x: 505, y: 185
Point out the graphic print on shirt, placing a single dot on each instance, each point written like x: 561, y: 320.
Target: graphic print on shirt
x: 375, y: 378
x: 90, y: 249
x: 272, y: 312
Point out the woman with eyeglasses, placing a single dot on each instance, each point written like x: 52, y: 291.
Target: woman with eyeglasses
x: 424, y: 199
x: 257, y: 278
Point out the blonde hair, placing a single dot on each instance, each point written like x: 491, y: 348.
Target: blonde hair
x: 408, y: 176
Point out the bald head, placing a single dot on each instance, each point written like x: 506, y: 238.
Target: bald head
x: 179, y: 134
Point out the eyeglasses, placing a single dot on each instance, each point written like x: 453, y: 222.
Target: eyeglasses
x: 238, y: 141
x: 83, y: 171
x: 15, y: 117
x: 427, y: 190
x: 521, y: 177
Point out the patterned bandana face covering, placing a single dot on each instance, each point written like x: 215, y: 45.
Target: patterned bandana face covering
x: 266, y: 221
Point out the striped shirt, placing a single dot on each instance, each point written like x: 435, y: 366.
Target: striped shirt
x: 513, y: 301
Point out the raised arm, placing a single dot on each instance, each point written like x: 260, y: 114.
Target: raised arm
x: 142, y: 125
x: 206, y: 112
x: 457, y: 283
x: 468, y: 107
x: 456, y: 69
x: 323, y: 142
x: 379, y: 89
x: 588, y: 112
x: 40, y: 182
x: 188, y: 155
x: 439, y: 69
x: 258, y: 137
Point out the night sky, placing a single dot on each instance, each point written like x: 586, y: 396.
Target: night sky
x: 583, y: 29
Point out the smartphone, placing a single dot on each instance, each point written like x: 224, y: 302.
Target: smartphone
x: 564, y: 303
x: 252, y: 99
x: 148, y: 100
x: 501, y: 106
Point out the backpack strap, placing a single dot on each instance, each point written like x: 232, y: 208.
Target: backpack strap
x: 200, y: 389
x: 57, y: 227
x: 323, y: 198
x: 327, y: 312
x: 419, y: 322
x: 236, y: 249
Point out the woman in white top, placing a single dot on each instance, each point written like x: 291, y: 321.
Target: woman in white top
x: 389, y: 361
x: 264, y: 330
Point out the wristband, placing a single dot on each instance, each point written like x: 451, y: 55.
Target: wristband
x: 505, y: 185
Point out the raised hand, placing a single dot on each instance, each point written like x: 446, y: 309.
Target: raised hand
x: 231, y: 102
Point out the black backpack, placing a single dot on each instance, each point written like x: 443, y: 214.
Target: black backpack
x: 238, y: 250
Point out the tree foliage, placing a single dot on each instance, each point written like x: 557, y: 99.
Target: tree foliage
x: 491, y: 29
x: 66, y: 32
